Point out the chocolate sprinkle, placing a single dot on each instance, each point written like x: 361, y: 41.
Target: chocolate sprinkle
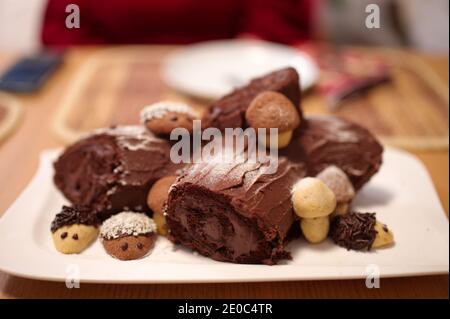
x: 63, y: 235
x: 75, y: 237
x: 124, y: 246
x: 140, y: 245
x: 76, y: 214
x: 354, y: 230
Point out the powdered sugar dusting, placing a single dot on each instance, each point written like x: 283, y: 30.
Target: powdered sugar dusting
x: 130, y: 137
x: 336, y: 179
x: 160, y: 109
x: 123, y: 130
x: 127, y: 224
x: 341, y: 131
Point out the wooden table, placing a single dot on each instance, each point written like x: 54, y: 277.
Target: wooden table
x: 18, y: 163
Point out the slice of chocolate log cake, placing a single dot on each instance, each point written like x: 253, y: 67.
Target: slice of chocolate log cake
x: 234, y: 212
x: 113, y: 169
x: 229, y: 111
x: 330, y: 140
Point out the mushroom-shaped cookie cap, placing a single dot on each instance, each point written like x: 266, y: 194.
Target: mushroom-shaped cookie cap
x: 336, y: 179
x: 159, y: 192
x: 272, y: 110
x: 311, y: 198
x: 157, y: 201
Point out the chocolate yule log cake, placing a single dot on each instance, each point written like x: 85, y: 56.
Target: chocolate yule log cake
x: 330, y: 140
x: 234, y: 212
x: 113, y: 169
x: 229, y: 111
x: 241, y: 211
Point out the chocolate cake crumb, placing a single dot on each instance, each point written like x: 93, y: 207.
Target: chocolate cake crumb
x: 354, y: 230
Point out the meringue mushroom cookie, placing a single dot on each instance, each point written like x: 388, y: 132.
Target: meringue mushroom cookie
x: 340, y: 210
x: 74, y: 229
x: 128, y: 235
x: 316, y: 229
x: 273, y: 110
x: 162, y: 117
x: 312, y: 198
x: 336, y: 179
x: 360, y: 231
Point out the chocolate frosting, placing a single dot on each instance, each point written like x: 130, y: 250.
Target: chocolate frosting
x: 77, y: 214
x: 320, y: 141
x: 330, y: 140
x: 229, y: 111
x: 113, y: 169
x: 234, y: 212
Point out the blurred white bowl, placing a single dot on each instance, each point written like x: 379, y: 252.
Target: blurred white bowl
x: 211, y: 69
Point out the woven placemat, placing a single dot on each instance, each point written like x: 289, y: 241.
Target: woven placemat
x: 111, y: 87
x: 10, y: 113
x: 410, y: 111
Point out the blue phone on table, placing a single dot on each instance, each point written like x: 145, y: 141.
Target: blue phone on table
x: 30, y: 73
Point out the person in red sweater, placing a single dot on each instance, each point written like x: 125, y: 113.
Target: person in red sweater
x: 177, y: 21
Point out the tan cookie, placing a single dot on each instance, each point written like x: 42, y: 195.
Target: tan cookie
x: 280, y: 140
x: 340, y: 210
x: 159, y: 192
x: 129, y: 247
x: 156, y: 199
x: 128, y: 235
x: 312, y: 198
x: 273, y: 110
x: 315, y: 230
x: 74, y: 229
x: 160, y: 221
x: 384, y: 236
x: 75, y: 238
x: 161, y: 118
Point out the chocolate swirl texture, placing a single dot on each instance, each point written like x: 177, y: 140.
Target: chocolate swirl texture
x: 77, y: 214
x: 234, y: 212
x: 229, y: 111
x: 113, y: 169
x: 329, y: 140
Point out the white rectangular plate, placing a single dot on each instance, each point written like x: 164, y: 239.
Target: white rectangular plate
x: 401, y: 194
